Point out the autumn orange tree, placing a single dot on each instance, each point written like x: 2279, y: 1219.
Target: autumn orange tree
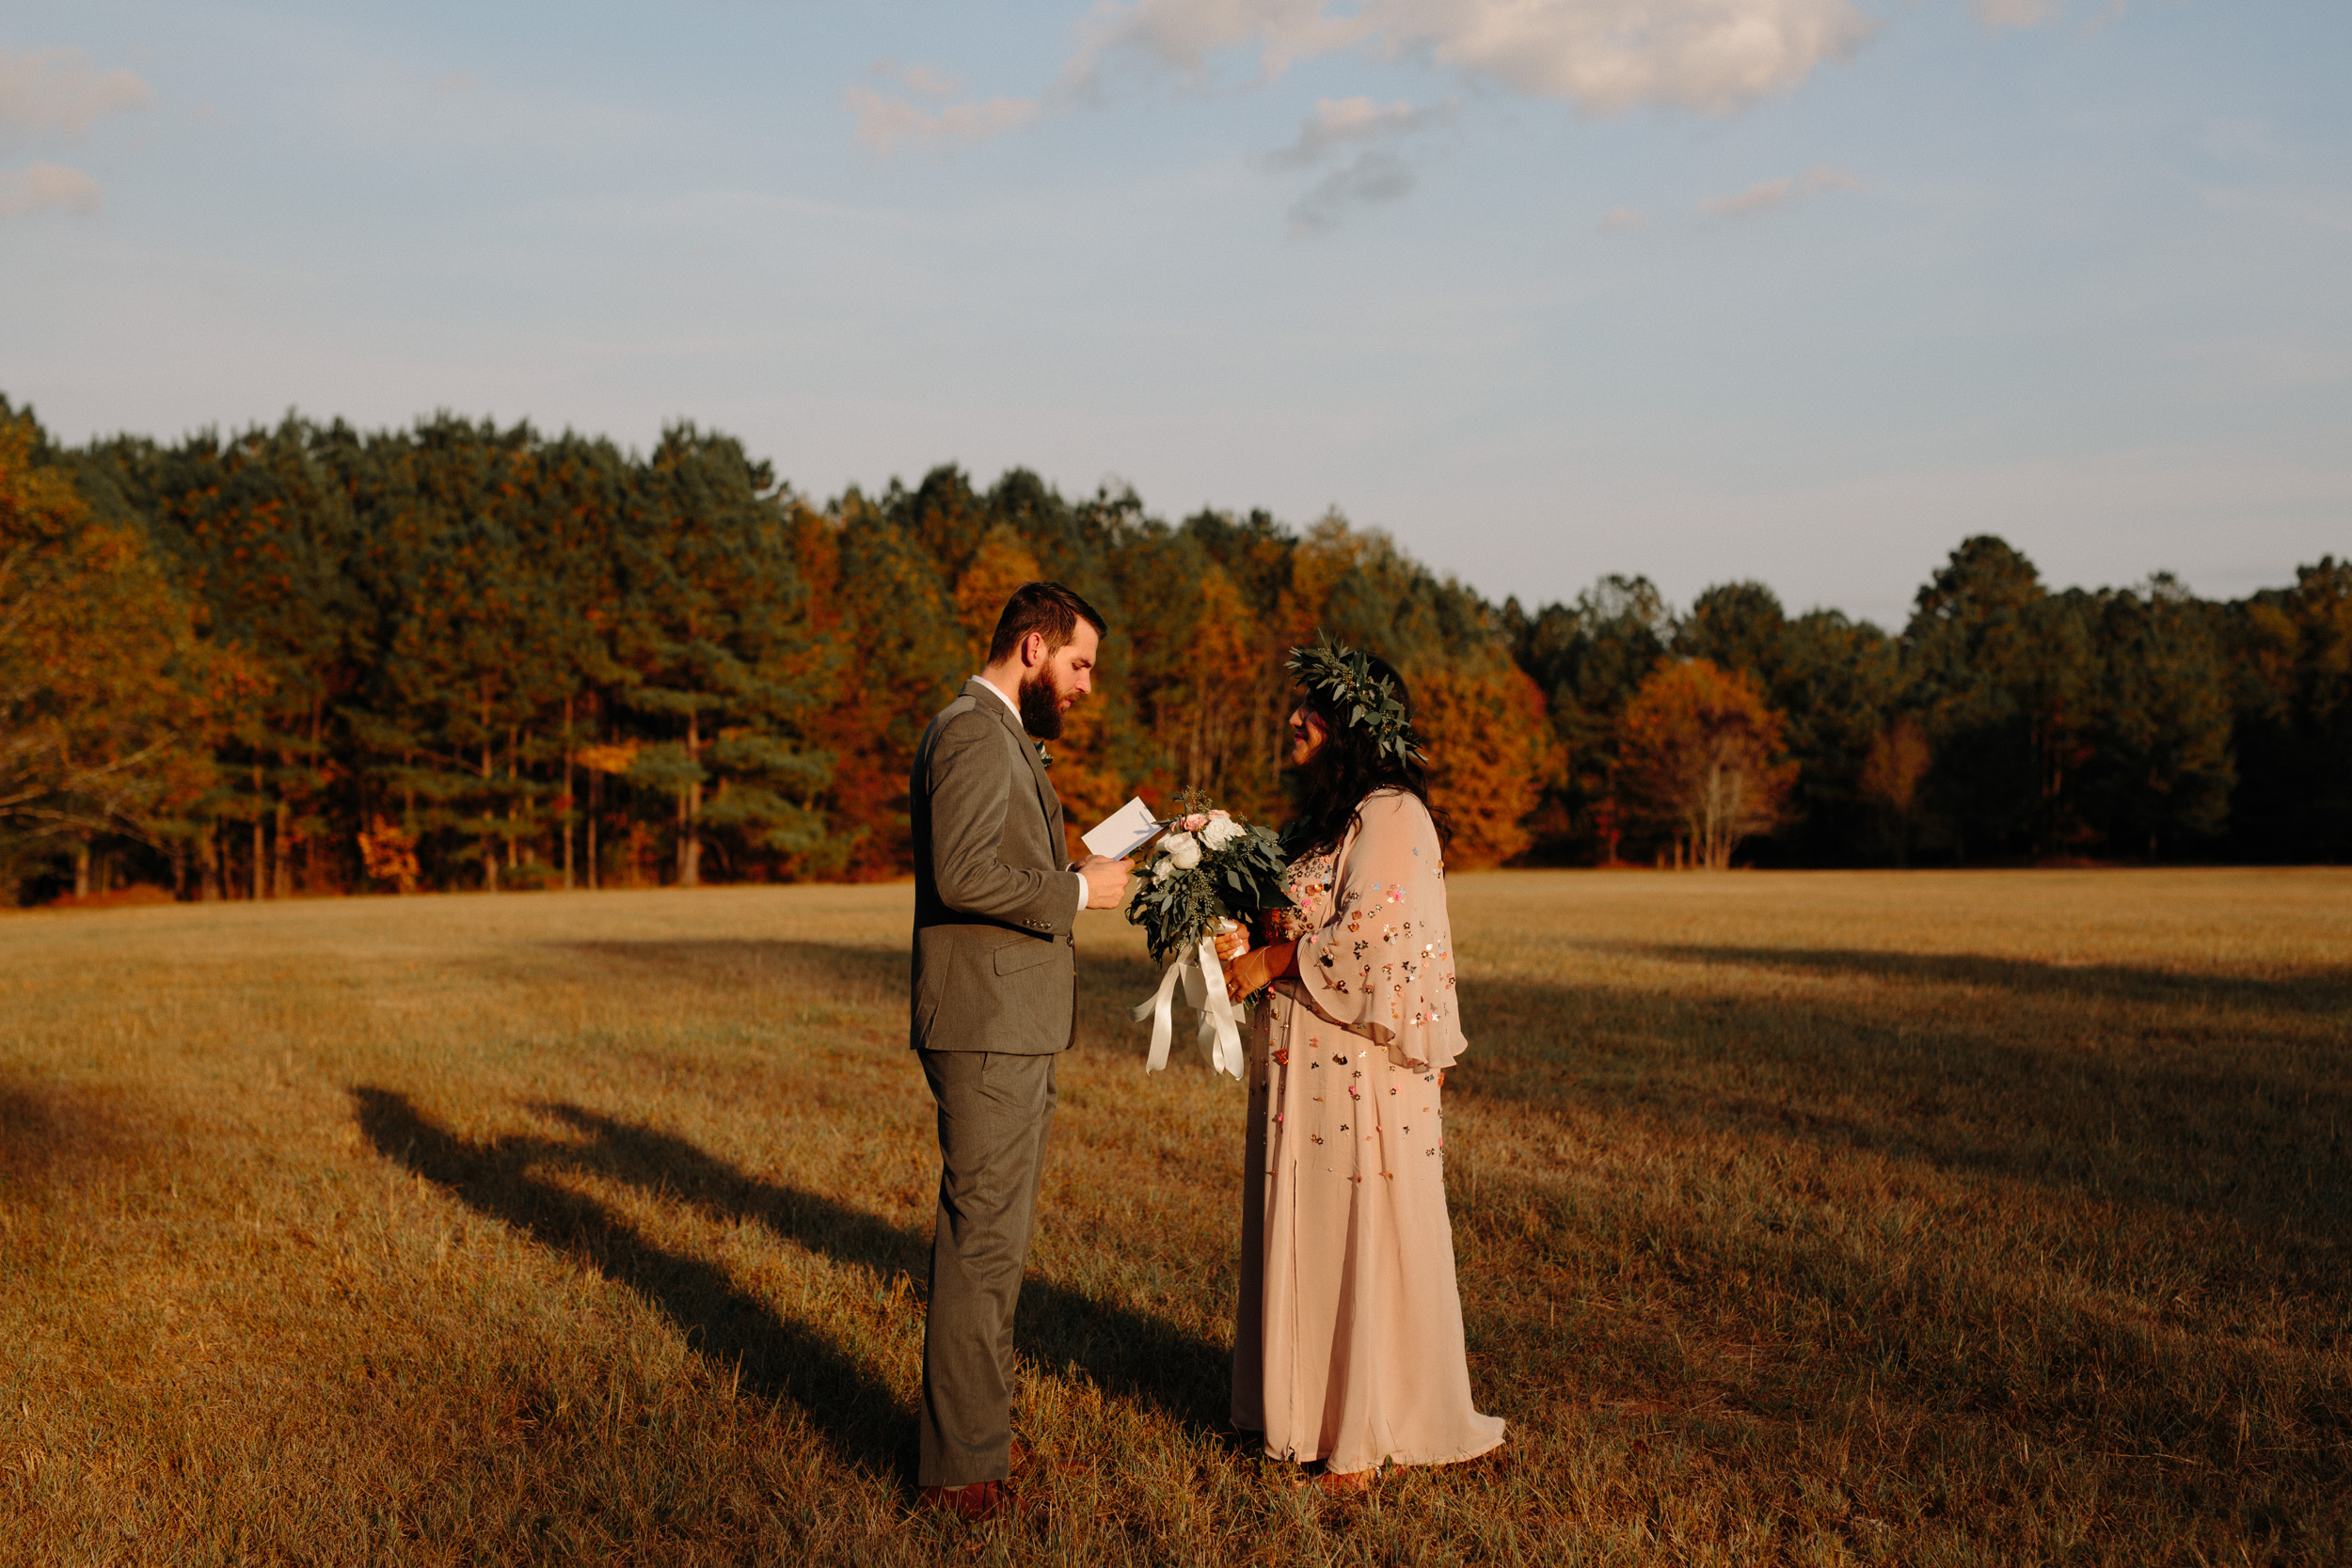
x: 1898, y: 762
x: 1491, y: 753
x: 1700, y: 756
x: 105, y: 697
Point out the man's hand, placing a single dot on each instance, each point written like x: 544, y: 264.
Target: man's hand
x: 1107, y: 881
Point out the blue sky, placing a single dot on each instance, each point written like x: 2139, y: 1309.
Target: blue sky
x: 1798, y: 290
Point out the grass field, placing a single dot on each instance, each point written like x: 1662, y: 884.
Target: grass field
x: 1999, y: 1217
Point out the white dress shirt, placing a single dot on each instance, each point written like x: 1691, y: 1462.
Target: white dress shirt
x: 1083, y: 890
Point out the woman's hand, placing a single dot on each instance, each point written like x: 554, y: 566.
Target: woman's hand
x: 1260, y: 967
x: 1233, y: 944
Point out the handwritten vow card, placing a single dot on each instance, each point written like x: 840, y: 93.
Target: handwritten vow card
x: 1122, y: 831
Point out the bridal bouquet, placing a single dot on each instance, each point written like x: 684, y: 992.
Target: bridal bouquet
x: 1210, y: 871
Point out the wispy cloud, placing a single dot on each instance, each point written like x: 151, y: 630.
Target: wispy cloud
x: 1183, y: 34
x: 886, y: 123
x: 1368, y: 178
x: 1767, y: 194
x: 1373, y: 175
x: 47, y: 188
x: 52, y: 91
x: 1607, y: 55
x: 1621, y: 219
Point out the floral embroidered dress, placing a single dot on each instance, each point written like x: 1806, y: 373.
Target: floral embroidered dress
x: 1348, y: 1347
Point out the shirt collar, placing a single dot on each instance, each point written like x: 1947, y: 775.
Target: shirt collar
x: 999, y: 695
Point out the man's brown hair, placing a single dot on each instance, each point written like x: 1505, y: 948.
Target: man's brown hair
x: 1042, y: 606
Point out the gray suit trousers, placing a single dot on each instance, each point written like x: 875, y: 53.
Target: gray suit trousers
x: 993, y: 1111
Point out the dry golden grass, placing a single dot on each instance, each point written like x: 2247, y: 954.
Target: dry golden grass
x: 1812, y: 1219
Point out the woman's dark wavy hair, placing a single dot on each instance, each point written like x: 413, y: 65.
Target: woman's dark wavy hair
x: 1329, y: 792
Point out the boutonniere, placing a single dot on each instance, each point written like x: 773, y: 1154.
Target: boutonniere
x: 1044, y: 757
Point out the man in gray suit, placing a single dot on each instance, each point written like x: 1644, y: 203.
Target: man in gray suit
x: 995, y: 999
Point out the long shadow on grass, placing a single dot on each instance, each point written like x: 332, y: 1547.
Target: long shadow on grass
x: 50, y: 1134
x: 855, y: 1410
x: 2326, y: 993
x: 1127, y: 1354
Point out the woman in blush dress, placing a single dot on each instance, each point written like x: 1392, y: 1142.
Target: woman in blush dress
x: 1348, y: 1351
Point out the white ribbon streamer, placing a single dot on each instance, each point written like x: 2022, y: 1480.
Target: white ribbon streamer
x: 1219, y: 1031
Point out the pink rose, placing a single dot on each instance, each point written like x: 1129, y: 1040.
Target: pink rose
x: 1194, y: 823
x: 1220, y: 814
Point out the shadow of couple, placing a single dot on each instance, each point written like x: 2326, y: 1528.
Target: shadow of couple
x: 1126, y: 1354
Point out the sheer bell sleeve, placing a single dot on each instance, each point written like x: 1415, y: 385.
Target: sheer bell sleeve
x: 1382, y: 965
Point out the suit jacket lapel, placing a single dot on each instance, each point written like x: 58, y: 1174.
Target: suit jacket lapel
x: 1048, y: 800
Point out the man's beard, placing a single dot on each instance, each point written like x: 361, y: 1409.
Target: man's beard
x: 1041, y: 708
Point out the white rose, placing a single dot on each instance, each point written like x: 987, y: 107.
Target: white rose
x: 1185, y: 850
x: 1220, y: 832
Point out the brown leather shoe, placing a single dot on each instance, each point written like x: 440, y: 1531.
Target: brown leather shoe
x: 974, y: 1504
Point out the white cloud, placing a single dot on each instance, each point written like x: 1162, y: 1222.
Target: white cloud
x: 1372, y: 177
x: 47, y: 91
x: 884, y: 123
x: 47, y: 188
x: 1621, y: 218
x: 1606, y: 55
x: 1997, y: 14
x: 1766, y: 194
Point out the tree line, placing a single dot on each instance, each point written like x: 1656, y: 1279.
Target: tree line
x: 309, y: 658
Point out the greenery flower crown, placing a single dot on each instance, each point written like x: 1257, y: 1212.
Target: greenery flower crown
x: 1362, y: 699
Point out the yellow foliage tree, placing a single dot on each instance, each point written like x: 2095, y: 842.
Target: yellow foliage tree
x: 1700, y: 756
x: 1212, y: 723
x: 1001, y: 564
x: 103, y: 685
x: 1491, y: 753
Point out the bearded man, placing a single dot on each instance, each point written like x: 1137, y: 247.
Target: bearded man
x: 994, y: 1000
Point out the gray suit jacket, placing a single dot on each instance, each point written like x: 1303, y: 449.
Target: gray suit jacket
x: 995, y: 964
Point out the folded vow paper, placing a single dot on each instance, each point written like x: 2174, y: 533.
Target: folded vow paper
x: 1120, y: 833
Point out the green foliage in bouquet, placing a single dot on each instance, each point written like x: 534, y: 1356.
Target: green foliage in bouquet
x: 1236, y: 870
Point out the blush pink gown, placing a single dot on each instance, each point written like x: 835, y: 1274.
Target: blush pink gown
x: 1348, y: 1347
